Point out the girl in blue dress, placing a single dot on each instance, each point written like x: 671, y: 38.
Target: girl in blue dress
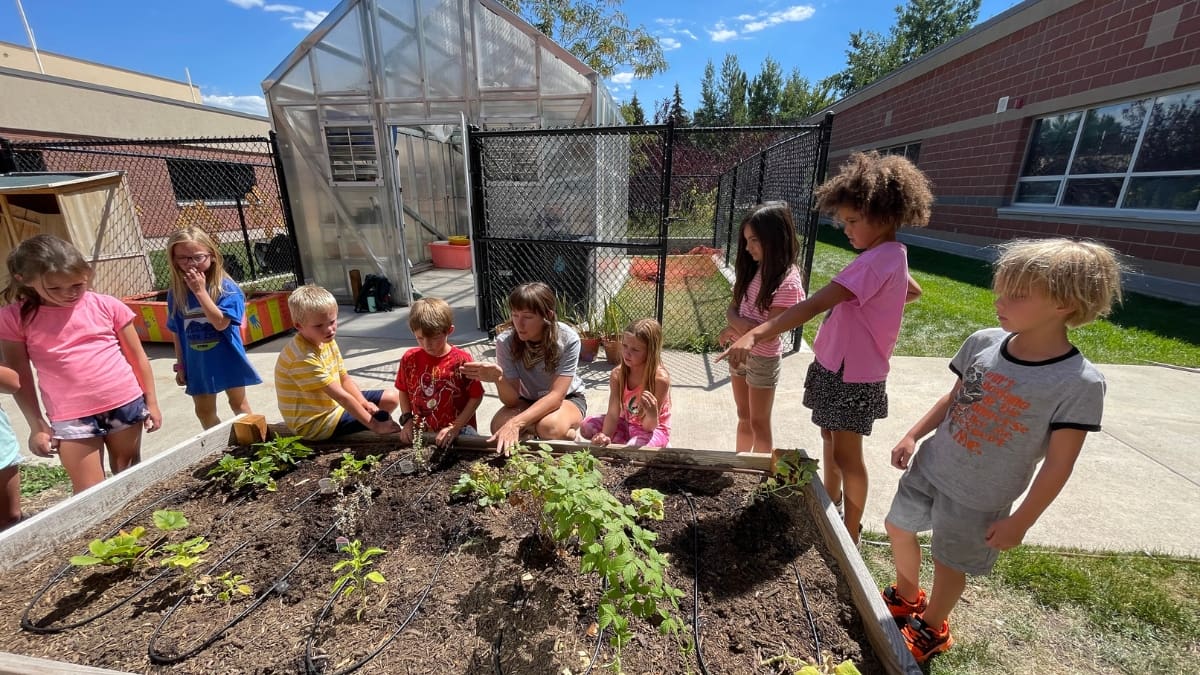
x: 209, y: 355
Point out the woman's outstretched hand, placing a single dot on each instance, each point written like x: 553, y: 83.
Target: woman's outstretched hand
x: 506, y: 438
x: 739, y: 351
x: 482, y: 371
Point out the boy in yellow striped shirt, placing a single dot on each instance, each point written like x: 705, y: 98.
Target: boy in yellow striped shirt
x: 316, y: 396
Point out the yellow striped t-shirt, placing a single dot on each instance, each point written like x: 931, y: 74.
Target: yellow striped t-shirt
x: 301, y: 373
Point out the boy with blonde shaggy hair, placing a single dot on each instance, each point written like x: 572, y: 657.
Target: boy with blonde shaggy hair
x: 1024, y: 393
x: 316, y: 396
x: 430, y: 380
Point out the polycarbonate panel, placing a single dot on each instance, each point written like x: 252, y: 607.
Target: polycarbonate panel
x: 447, y: 110
x: 405, y: 111
x: 339, y: 57
x: 400, y: 48
x: 337, y: 114
x: 441, y: 26
x: 502, y: 110
x: 563, y: 112
x: 296, y: 86
x: 506, y: 53
x: 560, y: 78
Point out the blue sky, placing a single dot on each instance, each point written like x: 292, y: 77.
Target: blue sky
x: 231, y: 45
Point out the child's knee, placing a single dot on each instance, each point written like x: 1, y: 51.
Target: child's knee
x: 895, y: 532
x: 555, y: 428
x: 390, y: 400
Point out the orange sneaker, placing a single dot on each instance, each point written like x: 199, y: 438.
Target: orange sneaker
x: 900, y: 608
x: 923, y: 640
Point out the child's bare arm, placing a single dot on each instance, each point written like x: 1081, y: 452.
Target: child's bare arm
x: 735, y: 321
x: 131, y: 347
x: 796, y: 315
x: 907, y: 446
x: 10, y: 380
x: 1065, y: 445
x: 17, y: 357
x: 913, y: 292
x: 662, y: 389
x: 406, y: 431
x: 614, y: 405
x: 350, y: 397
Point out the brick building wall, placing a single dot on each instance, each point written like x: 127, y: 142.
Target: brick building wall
x: 1066, y: 56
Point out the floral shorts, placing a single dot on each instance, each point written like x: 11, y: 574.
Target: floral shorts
x: 102, y: 424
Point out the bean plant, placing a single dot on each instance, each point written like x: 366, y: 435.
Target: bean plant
x: 356, y: 573
x: 128, y: 549
x: 792, y: 472
x: 258, y: 473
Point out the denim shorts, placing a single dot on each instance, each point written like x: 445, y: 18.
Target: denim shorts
x: 102, y: 424
x: 761, y: 372
x: 349, y: 425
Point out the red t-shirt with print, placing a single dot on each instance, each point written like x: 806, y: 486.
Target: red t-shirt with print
x: 436, y: 386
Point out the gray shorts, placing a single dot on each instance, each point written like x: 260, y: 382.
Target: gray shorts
x: 958, y: 531
x: 761, y: 372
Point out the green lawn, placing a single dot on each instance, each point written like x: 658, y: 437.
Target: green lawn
x: 1063, y: 611
x: 957, y: 301
x: 693, y: 309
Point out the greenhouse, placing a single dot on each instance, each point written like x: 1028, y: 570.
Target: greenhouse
x: 370, y: 111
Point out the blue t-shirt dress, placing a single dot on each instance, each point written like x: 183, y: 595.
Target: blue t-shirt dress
x: 214, y: 360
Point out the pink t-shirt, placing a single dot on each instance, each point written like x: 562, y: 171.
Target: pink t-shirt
x: 81, y: 370
x: 860, y: 333
x: 789, y: 293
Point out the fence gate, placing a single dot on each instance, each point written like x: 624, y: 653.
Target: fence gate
x: 232, y: 188
x: 631, y: 222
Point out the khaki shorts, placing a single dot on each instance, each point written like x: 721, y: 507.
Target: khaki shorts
x: 761, y: 372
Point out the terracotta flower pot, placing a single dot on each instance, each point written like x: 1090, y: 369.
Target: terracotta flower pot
x: 612, y: 351
x: 589, y: 347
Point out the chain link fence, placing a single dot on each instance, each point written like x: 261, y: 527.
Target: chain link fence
x: 229, y: 187
x: 632, y: 222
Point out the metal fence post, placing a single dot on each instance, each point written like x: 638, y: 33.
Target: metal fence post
x: 479, y: 231
x: 665, y: 205
x: 732, y: 203
x: 286, y: 203
x: 8, y: 158
x: 810, y: 228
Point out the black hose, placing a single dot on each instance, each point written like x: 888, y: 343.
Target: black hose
x: 696, y: 585
x: 812, y: 624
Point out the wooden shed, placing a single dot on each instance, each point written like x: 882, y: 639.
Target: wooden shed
x: 92, y: 210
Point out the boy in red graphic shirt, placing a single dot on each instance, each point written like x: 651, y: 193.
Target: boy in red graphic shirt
x: 432, y: 386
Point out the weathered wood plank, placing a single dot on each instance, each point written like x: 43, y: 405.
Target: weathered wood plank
x: 16, y: 664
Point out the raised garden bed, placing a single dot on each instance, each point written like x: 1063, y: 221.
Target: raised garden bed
x: 468, y: 589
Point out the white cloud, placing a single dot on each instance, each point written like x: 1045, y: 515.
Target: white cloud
x: 688, y: 33
x: 622, y: 78
x: 669, y: 44
x: 666, y: 22
x: 747, y: 17
x: 247, y: 4
x: 720, y: 33
x: 255, y: 105
x: 309, y: 21
x: 286, y: 9
x: 789, y: 15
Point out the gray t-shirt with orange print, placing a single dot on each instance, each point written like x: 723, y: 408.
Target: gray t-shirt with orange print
x: 984, y: 453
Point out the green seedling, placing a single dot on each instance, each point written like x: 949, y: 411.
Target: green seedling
x: 648, y: 502
x: 185, y: 555
x: 482, y: 482
x: 270, y: 458
x: 285, y: 450
x: 793, y: 471
x: 224, y: 587
x: 356, y: 573
x: 797, y: 666
x: 126, y: 548
x: 352, y: 468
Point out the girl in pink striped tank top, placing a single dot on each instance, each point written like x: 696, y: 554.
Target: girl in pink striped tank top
x: 639, y: 399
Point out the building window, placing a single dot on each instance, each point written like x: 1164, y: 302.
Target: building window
x: 912, y: 151
x: 353, y: 157
x: 214, y: 183
x: 1140, y: 154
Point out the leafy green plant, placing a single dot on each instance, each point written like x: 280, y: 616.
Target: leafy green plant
x: 482, y: 482
x: 575, y: 504
x: 37, y: 478
x: 352, y: 468
x: 126, y: 549
x: 792, y: 472
x: 613, y: 320
x: 270, y: 458
x: 225, y: 587
x: 648, y: 502
x: 797, y: 666
x: 356, y: 573
x: 184, y: 555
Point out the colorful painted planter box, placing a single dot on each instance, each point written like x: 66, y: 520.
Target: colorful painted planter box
x: 267, y: 314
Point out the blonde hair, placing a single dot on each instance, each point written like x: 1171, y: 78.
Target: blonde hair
x: 431, y: 316
x: 1082, y: 275
x: 650, y: 333
x: 214, y: 276
x: 538, y: 298
x: 34, y: 258
x: 886, y: 189
x: 309, y: 299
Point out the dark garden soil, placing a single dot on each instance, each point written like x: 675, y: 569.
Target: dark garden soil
x: 468, y: 590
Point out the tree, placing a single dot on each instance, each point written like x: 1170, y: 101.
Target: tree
x: 731, y: 93
x: 632, y: 112
x: 801, y: 99
x: 662, y: 110
x: 678, y: 113
x: 765, y: 89
x: 921, y: 26
x: 707, y: 113
x: 597, y: 32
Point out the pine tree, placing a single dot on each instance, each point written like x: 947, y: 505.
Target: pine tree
x: 707, y: 114
x: 632, y: 112
x: 765, y: 91
x: 801, y: 99
x: 679, y: 114
x: 731, y: 95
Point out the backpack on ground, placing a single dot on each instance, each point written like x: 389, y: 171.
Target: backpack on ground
x: 375, y: 295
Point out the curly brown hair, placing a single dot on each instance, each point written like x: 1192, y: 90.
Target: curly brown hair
x: 886, y: 189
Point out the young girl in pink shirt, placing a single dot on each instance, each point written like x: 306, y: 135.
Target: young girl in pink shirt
x: 872, y: 196
x: 639, y: 398
x: 91, y: 369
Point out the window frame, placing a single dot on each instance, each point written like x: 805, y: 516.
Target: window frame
x: 333, y: 177
x: 1127, y: 177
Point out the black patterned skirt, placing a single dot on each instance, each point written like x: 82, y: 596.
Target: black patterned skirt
x: 843, y: 406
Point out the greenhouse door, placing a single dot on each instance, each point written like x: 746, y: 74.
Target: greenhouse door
x: 431, y: 174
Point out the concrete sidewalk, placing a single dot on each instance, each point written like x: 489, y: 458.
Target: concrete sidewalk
x: 1136, y: 486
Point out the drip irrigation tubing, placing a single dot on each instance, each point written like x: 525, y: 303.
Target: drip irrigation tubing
x: 28, y: 625
x: 812, y: 624
x: 310, y: 667
x: 696, y: 585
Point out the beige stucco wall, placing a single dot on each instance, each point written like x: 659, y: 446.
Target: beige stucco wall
x: 39, y: 103
x: 18, y: 57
